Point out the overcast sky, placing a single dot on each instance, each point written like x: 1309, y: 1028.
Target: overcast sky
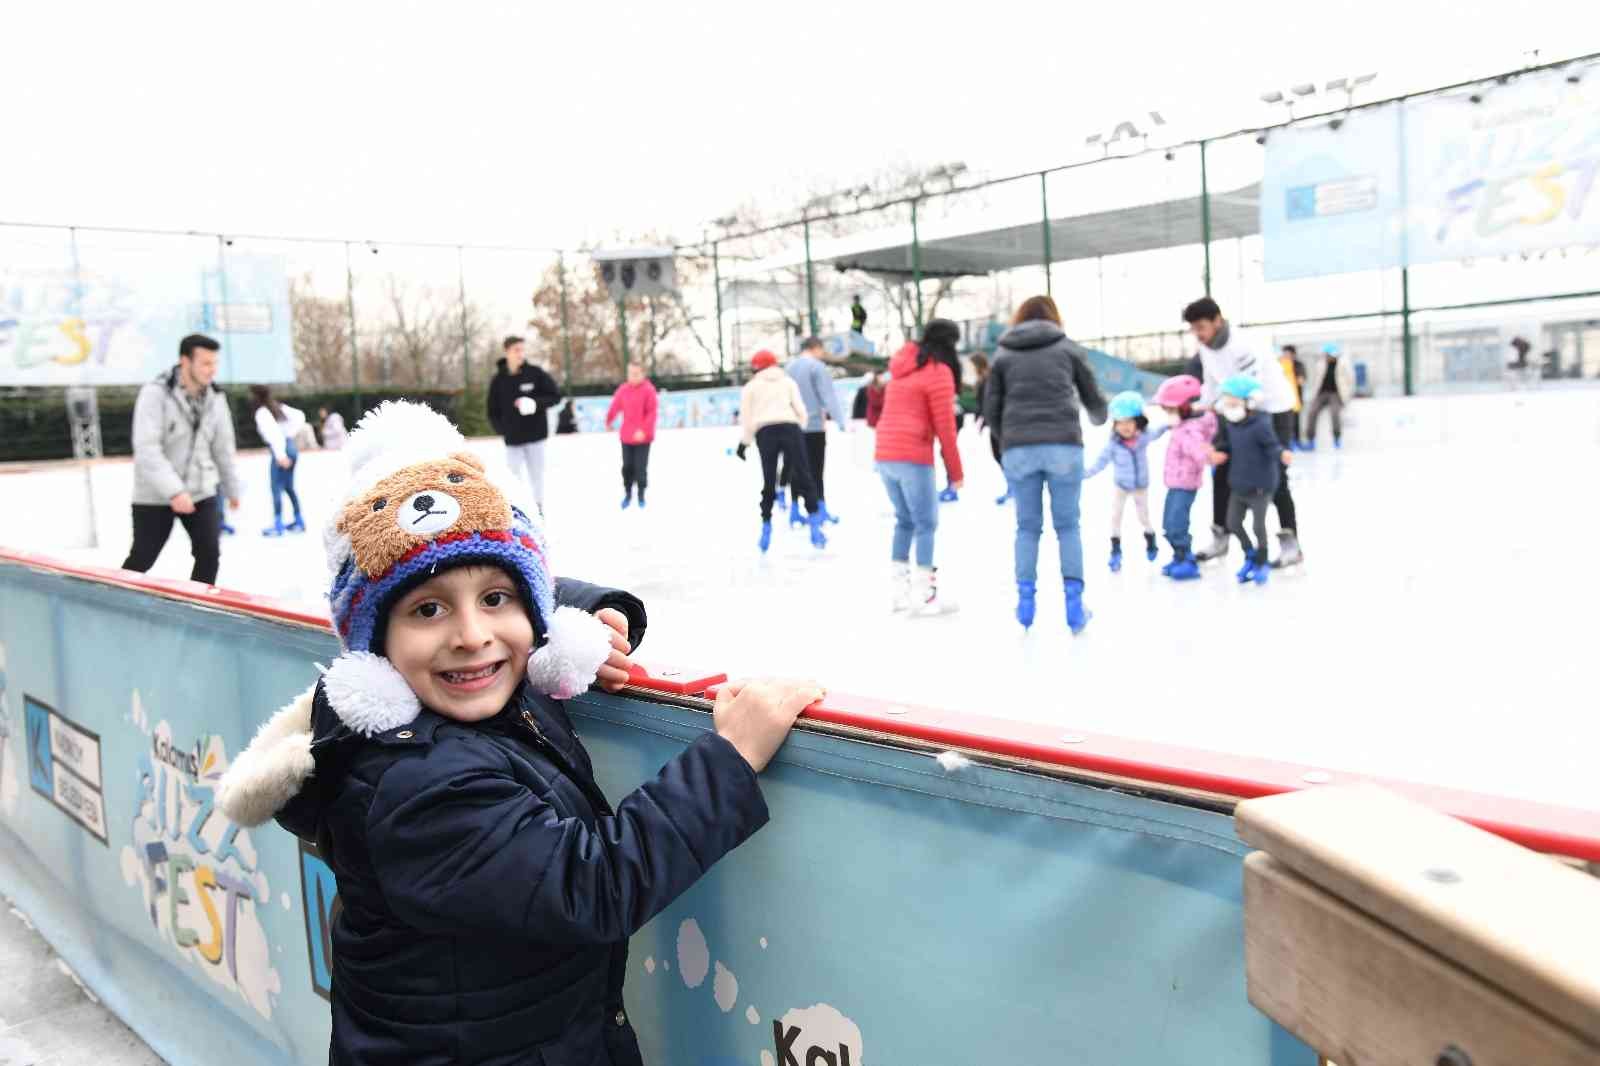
x: 551, y: 124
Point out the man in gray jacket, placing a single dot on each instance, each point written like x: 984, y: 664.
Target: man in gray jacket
x: 820, y: 398
x: 183, y: 450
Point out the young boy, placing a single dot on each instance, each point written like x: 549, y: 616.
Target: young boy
x: 1253, y: 452
x: 487, y: 887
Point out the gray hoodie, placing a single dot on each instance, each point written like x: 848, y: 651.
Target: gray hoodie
x: 1037, y: 384
x: 175, y: 452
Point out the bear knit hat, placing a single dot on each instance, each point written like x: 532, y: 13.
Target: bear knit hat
x: 419, y: 503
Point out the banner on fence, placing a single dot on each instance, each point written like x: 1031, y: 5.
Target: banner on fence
x: 1501, y: 169
x: 891, y: 912
x: 116, y: 317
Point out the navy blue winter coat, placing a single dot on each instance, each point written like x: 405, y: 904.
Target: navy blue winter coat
x: 1254, y: 454
x: 487, y: 888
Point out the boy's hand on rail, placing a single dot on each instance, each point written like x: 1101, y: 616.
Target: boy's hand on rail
x: 756, y: 716
x: 613, y: 673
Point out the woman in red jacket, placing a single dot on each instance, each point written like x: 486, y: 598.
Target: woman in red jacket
x: 918, y: 406
x: 635, y: 401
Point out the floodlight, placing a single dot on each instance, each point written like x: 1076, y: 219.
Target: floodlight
x: 1307, y: 89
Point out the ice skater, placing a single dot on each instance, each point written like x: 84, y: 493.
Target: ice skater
x: 635, y: 402
x: 278, y: 424
x: 821, y: 399
x: 1188, y: 456
x: 1127, y: 452
x: 1331, y: 384
x: 771, y: 411
x: 1252, y: 451
x: 520, y: 397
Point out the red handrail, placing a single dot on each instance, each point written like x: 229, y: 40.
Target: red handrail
x: 1543, y: 827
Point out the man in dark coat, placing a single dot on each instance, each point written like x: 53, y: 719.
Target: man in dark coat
x: 520, y: 398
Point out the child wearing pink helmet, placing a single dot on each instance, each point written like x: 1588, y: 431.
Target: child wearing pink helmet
x: 1188, y: 455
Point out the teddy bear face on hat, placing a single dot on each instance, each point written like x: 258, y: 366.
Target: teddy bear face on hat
x: 418, y: 505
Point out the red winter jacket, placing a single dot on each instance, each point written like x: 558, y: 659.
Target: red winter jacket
x: 875, y: 394
x: 637, y: 406
x: 920, y: 404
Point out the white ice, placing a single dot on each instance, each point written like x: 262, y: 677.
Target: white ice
x: 1441, y: 630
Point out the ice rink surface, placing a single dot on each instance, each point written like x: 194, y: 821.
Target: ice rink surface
x: 1443, y: 629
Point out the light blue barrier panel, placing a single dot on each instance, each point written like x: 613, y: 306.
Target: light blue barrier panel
x: 891, y: 912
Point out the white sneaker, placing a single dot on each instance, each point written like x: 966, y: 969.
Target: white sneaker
x: 900, y: 587
x: 925, y: 598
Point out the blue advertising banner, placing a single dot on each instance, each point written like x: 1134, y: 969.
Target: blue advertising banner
x: 115, y: 318
x: 892, y: 912
x: 1331, y: 199
x: 1502, y: 169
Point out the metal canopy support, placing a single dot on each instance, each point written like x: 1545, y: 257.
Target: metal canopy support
x: 622, y: 327
x: 1044, y: 205
x: 1205, y: 215
x: 916, y: 263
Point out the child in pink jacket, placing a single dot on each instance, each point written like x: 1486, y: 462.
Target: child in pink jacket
x: 1188, y: 456
x: 635, y: 401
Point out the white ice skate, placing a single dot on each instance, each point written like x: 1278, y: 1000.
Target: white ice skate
x: 900, y: 588
x: 925, y: 599
x: 1218, y: 548
x: 1289, y: 553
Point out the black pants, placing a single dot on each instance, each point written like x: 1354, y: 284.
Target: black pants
x: 1283, y: 499
x: 635, y: 467
x: 1256, y: 504
x: 816, y: 456
x: 785, y: 441
x: 152, y: 525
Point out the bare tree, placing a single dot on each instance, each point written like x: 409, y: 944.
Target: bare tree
x: 321, y: 332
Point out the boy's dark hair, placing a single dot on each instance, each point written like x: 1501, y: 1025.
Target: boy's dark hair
x: 812, y: 343
x: 1205, y: 307
x: 506, y: 344
x: 187, y: 346
x: 1291, y: 349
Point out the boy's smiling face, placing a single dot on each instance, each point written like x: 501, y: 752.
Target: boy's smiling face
x: 461, y: 640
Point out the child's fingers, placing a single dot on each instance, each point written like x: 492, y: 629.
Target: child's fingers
x: 615, y: 619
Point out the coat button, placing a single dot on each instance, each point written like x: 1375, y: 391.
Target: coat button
x: 405, y: 734
x: 622, y: 1019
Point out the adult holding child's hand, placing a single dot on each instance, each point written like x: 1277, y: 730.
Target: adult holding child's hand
x: 756, y: 716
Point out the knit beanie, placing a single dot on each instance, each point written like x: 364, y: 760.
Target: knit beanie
x: 763, y: 359
x: 417, y: 504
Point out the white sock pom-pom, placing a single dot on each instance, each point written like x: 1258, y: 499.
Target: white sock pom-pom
x: 569, y: 661
x: 368, y: 693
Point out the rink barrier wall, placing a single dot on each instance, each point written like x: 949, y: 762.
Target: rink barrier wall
x: 862, y: 924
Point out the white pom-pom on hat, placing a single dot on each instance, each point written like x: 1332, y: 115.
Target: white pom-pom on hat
x: 567, y: 664
x: 394, y: 435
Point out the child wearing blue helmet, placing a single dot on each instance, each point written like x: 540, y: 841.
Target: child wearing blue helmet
x: 1127, y: 454
x: 1252, y: 451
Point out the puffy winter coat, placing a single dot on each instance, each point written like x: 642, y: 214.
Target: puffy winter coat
x: 637, y: 404
x: 1130, y: 460
x: 1254, y: 452
x: 1344, y: 378
x: 487, y: 887
x: 876, y: 394
x: 767, y: 399
x: 176, y: 450
x: 1036, y: 384
x: 528, y: 383
x: 918, y: 405
x: 1189, y: 452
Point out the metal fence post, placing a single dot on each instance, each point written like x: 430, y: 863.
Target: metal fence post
x: 916, y: 262
x: 622, y: 327
x: 1405, y: 329
x: 1044, y: 204
x: 566, y: 330
x: 1205, y: 215
x: 355, y: 358
x: 811, y: 290
x: 222, y: 302
x: 716, y: 279
x: 466, y: 339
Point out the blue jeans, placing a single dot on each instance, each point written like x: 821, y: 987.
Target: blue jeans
x: 916, y: 509
x: 1029, y: 468
x: 1175, y: 519
x: 283, y: 483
